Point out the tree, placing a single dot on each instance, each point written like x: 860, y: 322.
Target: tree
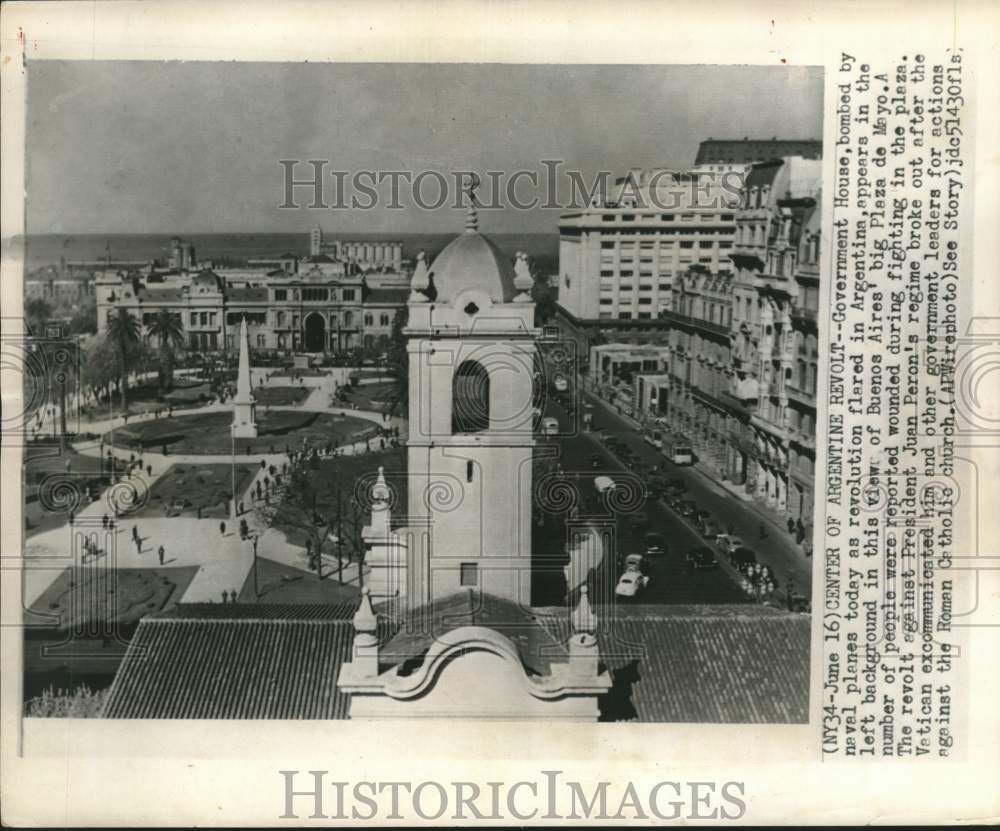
x: 543, y: 294
x: 303, y: 510
x: 37, y: 312
x: 124, y: 330
x: 398, y: 363
x: 83, y: 320
x: 168, y: 329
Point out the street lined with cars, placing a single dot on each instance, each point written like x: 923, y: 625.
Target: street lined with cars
x: 701, y: 524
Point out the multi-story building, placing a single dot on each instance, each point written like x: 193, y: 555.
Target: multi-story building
x: 700, y: 363
x: 774, y: 345
x: 740, y: 382
x: 619, y: 256
x: 367, y: 254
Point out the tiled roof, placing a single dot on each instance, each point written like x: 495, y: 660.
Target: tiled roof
x: 738, y: 669
x: 713, y: 664
x: 233, y: 668
x: 538, y: 644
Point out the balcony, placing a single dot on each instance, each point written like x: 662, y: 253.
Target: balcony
x: 800, y: 396
x: 707, y: 326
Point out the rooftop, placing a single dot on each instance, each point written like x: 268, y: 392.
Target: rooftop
x: 715, y: 663
x: 747, y: 151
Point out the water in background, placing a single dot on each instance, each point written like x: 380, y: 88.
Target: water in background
x: 47, y: 249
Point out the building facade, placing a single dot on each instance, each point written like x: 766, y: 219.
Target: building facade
x: 320, y: 310
x: 740, y: 378
x: 618, y: 257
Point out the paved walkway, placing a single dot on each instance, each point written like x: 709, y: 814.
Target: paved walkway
x: 223, y: 560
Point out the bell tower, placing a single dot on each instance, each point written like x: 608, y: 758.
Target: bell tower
x: 471, y: 362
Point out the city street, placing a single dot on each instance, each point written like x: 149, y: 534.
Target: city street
x: 777, y: 549
x: 672, y: 579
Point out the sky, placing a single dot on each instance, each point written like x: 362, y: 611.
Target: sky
x: 174, y: 147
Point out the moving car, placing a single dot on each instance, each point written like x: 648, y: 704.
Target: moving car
x: 728, y: 543
x: 656, y: 546
x: 635, y: 562
x: 631, y: 583
x: 596, y: 460
x: 701, y: 557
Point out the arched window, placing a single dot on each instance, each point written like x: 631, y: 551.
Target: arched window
x: 470, y: 398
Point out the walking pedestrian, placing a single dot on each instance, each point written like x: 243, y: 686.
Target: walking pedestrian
x: 149, y: 471
x: 222, y: 528
x: 104, y: 521
x: 135, y: 533
x: 763, y: 531
x: 160, y: 552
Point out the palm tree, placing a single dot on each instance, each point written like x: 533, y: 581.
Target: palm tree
x: 168, y: 329
x: 124, y: 330
x: 398, y: 361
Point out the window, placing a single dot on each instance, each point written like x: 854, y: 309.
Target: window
x: 624, y: 315
x: 348, y: 318
x: 469, y: 574
x: 607, y: 301
x: 470, y: 398
x: 607, y: 273
x: 281, y: 294
x: 607, y: 244
x: 261, y: 341
x: 369, y: 319
x: 314, y: 294
x: 666, y: 217
x: 348, y: 295
x: 628, y: 217
x: 608, y: 218
x: 383, y: 320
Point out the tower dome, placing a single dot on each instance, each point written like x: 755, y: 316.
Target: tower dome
x: 472, y: 261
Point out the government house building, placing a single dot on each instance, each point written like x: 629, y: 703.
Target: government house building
x: 325, y: 306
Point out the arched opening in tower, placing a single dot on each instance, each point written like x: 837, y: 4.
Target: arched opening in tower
x: 470, y: 396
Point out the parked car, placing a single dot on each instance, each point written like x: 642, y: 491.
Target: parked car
x: 636, y: 562
x: 728, y: 543
x: 550, y: 426
x: 688, y: 508
x: 656, y: 546
x: 701, y: 557
x: 709, y: 530
x: 742, y: 557
x: 631, y: 583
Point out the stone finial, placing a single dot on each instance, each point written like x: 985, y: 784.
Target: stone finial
x: 380, y: 490
x: 522, y: 273
x: 583, y: 618
x: 365, y: 621
x: 421, y: 280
